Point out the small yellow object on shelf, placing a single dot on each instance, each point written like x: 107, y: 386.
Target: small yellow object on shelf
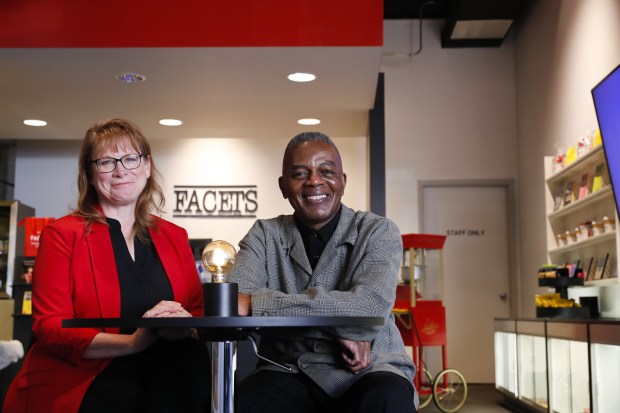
x: 571, y: 156
x: 597, y: 140
x: 27, y: 303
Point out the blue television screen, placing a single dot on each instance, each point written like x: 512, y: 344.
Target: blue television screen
x: 606, y: 95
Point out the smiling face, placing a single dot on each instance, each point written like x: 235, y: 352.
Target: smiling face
x: 121, y: 187
x: 313, y: 182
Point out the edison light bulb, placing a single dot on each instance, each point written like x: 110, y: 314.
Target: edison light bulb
x: 218, y: 258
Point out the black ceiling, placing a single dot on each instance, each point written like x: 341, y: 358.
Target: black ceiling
x: 411, y: 9
x: 453, y: 10
x: 463, y: 9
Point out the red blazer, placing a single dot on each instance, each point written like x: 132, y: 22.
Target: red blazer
x: 75, y: 277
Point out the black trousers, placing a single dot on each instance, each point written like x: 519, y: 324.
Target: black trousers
x: 279, y: 392
x: 168, y: 377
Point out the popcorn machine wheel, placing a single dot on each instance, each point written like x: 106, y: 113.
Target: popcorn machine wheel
x: 422, y: 323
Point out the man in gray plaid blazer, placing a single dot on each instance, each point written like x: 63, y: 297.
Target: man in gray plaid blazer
x: 324, y: 260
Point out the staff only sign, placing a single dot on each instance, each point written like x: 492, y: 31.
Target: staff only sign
x: 217, y: 201
x: 466, y: 232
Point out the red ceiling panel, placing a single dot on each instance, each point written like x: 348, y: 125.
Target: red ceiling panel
x: 190, y: 23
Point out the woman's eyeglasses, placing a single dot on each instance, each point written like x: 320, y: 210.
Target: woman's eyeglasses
x: 107, y: 165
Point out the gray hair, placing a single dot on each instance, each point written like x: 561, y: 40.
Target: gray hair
x: 309, y: 137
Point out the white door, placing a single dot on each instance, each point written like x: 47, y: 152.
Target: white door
x: 476, y: 269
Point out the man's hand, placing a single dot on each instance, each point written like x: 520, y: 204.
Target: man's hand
x: 356, y: 354
x: 244, y: 304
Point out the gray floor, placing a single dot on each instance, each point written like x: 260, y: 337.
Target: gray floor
x: 481, y: 398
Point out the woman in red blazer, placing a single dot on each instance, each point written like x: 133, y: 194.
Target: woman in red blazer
x: 112, y: 258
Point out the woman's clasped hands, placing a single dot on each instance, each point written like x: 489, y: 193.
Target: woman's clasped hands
x: 167, y: 309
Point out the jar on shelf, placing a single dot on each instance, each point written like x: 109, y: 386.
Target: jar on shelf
x: 558, y: 161
x: 585, y: 229
x: 608, y: 224
x: 561, y: 240
x: 583, y: 145
x: 571, y: 237
x: 597, y: 228
x: 578, y: 234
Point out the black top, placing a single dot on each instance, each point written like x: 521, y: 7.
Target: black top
x: 315, y: 241
x: 143, y: 282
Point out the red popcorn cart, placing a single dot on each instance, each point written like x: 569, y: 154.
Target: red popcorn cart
x: 421, y: 319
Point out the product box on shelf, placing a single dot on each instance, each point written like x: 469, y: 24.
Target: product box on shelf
x: 32, y: 231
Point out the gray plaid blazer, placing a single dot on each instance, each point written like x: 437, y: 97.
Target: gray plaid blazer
x: 355, y: 276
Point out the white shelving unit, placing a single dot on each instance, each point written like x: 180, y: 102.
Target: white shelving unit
x: 12, y: 237
x: 592, y: 207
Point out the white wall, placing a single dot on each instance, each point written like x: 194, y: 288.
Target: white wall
x: 495, y: 113
x: 46, y: 176
x: 450, y: 114
x: 563, y: 50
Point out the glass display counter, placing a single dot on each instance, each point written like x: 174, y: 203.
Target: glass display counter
x: 605, y: 359
x: 506, y: 356
x: 569, y: 384
x: 563, y: 366
x: 532, y: 368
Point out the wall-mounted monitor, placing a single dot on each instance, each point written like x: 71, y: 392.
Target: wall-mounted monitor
x: 606, y: 95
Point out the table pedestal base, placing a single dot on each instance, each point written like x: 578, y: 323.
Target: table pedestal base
x: 223, y: 368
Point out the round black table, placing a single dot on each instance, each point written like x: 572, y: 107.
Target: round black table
x: 223, y: 333
x: 224, y: 322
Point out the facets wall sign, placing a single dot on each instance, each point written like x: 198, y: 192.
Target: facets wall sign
x: 215, y: 201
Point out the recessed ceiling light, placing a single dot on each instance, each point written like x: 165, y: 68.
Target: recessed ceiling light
x: 129, y: 77
x: 170, y: 122
x: 308, y: 121
x: 301, y: 77
x: 35, y: 122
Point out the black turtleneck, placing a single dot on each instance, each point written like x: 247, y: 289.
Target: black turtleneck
x: 315, y: 241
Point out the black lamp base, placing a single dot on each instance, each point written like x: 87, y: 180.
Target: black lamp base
x: 220, y: 299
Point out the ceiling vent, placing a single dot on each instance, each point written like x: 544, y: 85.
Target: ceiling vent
x: 480, y: 23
